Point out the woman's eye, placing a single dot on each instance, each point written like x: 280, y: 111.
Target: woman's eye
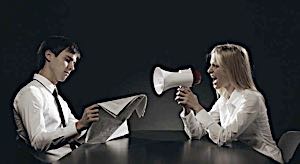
x: 214, y: 65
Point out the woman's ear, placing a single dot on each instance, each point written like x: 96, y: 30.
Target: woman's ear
x: 48, y: 55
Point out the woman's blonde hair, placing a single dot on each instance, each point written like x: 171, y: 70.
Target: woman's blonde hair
x: 234, y: 60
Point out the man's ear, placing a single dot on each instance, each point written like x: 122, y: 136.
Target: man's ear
x: 48, y: 55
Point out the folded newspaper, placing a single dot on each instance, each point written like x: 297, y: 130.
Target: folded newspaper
x: 113, y: 118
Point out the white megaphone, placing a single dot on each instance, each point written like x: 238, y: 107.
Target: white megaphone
x: 164, y: 80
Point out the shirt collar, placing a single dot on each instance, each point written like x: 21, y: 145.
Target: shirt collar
x: 50, y: 86
x: 235, y: 97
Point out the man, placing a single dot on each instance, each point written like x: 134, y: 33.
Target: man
x: 43, y: 119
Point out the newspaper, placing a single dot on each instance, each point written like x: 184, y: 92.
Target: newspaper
x: 113, y: 118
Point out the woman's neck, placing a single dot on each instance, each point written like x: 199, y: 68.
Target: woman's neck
x: 229, y: 90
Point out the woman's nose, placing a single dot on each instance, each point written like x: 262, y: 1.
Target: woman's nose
x: 209, y: 70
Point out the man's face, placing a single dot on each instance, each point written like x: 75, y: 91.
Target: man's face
x: 62, y: 65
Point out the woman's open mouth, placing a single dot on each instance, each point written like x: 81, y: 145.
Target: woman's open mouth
x: 214, y: 80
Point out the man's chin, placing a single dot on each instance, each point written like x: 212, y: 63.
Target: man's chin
x: 63, y: 79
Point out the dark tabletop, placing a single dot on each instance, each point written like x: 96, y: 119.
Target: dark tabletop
x: 162, y: 147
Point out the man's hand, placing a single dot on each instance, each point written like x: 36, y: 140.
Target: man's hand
x: 90, y: 114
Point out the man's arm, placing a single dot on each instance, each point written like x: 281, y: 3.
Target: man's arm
x: 30, y: 107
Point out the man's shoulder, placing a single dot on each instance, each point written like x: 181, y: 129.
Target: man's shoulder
x: 31, y: 87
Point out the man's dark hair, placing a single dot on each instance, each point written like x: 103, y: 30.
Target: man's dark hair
x: 56, y: 44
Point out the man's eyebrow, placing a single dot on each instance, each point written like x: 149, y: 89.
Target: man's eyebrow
x: 70, y: 58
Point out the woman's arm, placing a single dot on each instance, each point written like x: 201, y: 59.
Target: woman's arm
x: 246, y: 113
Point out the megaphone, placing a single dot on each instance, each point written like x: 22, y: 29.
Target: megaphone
x: 164, y: 80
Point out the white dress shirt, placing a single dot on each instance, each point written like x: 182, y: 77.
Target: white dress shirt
x: 38, y: 121
x: 242, y: 117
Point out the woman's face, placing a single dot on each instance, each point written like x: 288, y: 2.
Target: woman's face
x: 218, y: 74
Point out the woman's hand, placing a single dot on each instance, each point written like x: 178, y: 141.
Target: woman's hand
x: 188, y: 99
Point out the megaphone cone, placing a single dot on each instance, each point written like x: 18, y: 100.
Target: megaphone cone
x: 164, y: 80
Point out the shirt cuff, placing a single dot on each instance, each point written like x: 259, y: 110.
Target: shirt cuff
x: 204, y: 118
x: 186, y: 119
x: 189, y: 118
x: 186, y: 116
x: 70, y: 130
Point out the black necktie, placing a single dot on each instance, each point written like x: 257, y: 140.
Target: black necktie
x: 61, y: 115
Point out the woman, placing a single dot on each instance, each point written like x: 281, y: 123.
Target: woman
x: 240, y: 108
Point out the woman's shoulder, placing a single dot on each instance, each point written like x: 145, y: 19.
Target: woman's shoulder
x: 251, y: 94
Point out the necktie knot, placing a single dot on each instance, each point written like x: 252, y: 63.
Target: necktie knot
x: 55, y: 94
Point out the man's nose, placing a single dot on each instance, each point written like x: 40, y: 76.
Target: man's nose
x: 71, y: 66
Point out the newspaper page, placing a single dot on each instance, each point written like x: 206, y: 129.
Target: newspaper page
x: 113, y: 118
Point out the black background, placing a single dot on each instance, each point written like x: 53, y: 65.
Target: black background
x: 122, y: 42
